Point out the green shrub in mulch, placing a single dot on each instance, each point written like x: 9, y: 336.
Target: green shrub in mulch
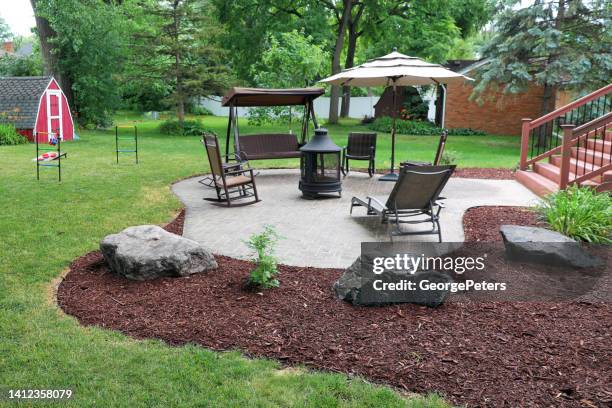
x: 580, y: 213
x: 265, y: 274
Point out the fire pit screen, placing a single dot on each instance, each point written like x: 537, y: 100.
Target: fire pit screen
x: 320, y: 166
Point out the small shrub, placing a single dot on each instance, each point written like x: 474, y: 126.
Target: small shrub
x: 418, y: 128
x: 9, y: 135
x: 580, y: 213
x: 187, y: 128
x: 405, y: 127
x: 449, y: 157
x: 200, y: 111
x: 414, y: 107
x: 266, y: 270
x: 465, y: 132
x: 367, y: 120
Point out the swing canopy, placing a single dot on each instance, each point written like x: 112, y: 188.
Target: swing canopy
x: 268, y: 146
x: 270, y: 97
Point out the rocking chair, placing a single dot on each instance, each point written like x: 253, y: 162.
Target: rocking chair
x: 231, y: 184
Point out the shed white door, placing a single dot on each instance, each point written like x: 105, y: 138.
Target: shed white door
x: 54, y: 113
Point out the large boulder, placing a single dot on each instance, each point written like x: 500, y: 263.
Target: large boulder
x: 543, y: 246
x: 356, y: 285
x: 148, y: 252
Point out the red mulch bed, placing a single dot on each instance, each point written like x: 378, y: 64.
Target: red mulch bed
x: 481, y: 224
x: 474, y: 354
x: 484, y: 173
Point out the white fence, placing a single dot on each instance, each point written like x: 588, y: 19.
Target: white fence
x: 360, y: 106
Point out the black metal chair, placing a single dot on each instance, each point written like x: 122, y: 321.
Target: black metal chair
x: 361, y: 146
x: 231, y: 184
x: 415, y: 194
x: 437, y: 158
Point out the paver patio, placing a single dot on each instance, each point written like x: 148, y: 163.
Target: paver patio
x: 322, y: 233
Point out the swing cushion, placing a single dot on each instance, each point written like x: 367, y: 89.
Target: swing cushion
x: 269, y: 146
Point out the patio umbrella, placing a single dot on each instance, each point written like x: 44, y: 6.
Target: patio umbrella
x: 394, y: 70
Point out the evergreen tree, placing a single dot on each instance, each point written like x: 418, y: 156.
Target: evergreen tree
x: 181, y: 48
x: 556, y: 44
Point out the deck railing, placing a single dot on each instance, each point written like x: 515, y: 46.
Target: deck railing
x: 583, y: 125
x: 541, y: 135
x: 593, y: 155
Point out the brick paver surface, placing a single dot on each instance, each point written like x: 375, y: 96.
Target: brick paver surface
x: 321, y: 232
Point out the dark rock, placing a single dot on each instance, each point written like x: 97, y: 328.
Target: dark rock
x: 358, y: 285
x: 148, y: 252
x: 539, y: 245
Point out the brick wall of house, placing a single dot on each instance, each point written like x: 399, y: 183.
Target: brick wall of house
x: 8, y: 47
x: 499, y: 114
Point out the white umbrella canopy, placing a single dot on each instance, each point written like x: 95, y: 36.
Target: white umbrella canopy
x: 396, y: 69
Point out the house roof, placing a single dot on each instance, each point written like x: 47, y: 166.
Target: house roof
x: 20, y: 97
x: 465, y: 66
x: 270, y: 97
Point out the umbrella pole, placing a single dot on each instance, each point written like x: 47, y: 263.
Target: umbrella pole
x: 393, y: 127
x: 392, y: 176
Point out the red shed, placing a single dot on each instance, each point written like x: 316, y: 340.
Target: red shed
x: 36, y: 104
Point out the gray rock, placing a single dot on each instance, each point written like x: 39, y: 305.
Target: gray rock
x: 148, y: 252
x: 356, y: 286
x: 539, y: 245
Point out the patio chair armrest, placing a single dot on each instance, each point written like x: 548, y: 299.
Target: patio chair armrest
x: 229, y: 166
x: 240, y: 171
x: 439, y: 204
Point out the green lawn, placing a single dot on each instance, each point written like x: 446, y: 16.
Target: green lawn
x: 44, y: 225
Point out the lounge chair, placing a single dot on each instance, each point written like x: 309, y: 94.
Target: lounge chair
x: 415, y: 194
x: 437, y: 158
x: 231, y: 184
x: 361, y: 146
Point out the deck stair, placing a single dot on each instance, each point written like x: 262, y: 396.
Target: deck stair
x: 571, y: 145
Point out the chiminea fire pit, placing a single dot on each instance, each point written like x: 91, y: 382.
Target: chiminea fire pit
x: 320, y: 166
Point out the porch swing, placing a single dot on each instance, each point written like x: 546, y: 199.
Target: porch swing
x: 264, y: 146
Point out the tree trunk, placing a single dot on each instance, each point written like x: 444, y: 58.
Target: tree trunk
x: 50, y: 59
x: 335, y: 90
x: 350, y: 62
x: 180, y: 95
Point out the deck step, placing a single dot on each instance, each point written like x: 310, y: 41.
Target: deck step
x: 580, y: 167
x: 591, y: 156
x: 553, y: 173
x: 535, y: 182
x: 600, y: 145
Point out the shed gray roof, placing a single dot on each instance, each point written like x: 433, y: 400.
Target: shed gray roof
x: 19, y: 99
